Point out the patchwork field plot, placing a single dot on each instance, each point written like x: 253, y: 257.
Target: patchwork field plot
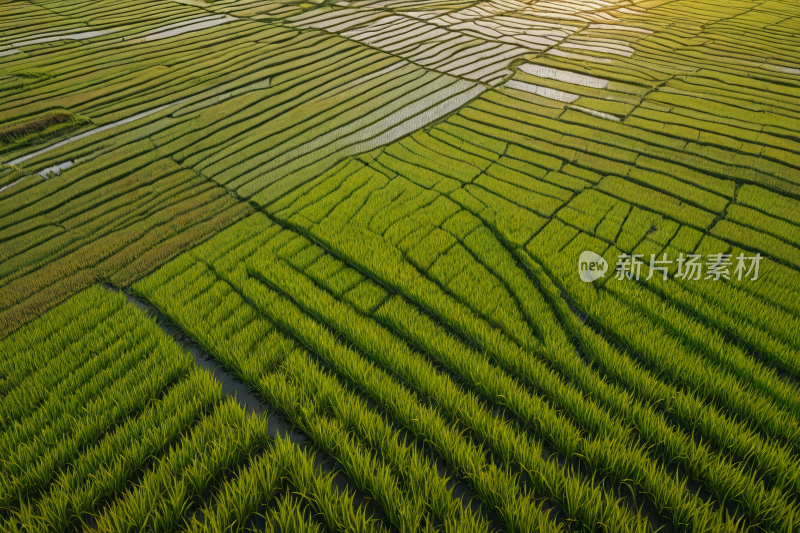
x: 484, y: 266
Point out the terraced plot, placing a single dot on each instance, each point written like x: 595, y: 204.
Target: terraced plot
x: 370, y: 213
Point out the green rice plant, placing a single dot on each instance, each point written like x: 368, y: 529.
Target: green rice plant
x: 51, y: 194
x: 468, y: 141
x: 326, y: 97
x: 747, y: 369
x: 682, y: 123
x: 405, y: 509
x: 308, y: 382
x: 219, y: 441
x: 291, y: 515
x: 735, y: 438
x: 313, y: 190
x: 463, y: 458
x: 432, y: 143
x: 520, y: 162
x: 366, y: 296
x: 761, y: 165
x: 320, y: 149
x: 721, y: 187
x: 413, y: 152
x: 622, y: 129
x: 239, y: 499
x: 38, y: 414
x: 103, y: 470
x: 752, y: 218
x: 152, y: 256
x: 673, y: 187
x: 587, y: 210
x: 769, y: 202
x: 655, y: 201
x: 316, y: 211
x: 726, y: 306
x: 26, y: 350
x: 38, y: 128
x: 672, y: 130
x: 525, y: 102
x: 239, y: 339
x: 508, y: 130
x: 622, y: 403
x: 750, y: 238
x: 517, y: 224
x: 461, y: 224
x: 196, y: 85
x: 610, y: 227
x: 409, y: 364
x: 309, y: 83
x: 725, y: 110
x: 605, y: 106
x: 99, y: 221
x: 335, y: 509
x: 33, y: 465
x: 538, y: 203
x: 97, y: 257
x: 746, y: 402
x: 422, y: 221
x: 554, y: 330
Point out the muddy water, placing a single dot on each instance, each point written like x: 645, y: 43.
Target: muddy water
x: 205, y: 24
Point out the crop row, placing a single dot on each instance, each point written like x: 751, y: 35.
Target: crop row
x: 148, y: 438
x: 240, y: 279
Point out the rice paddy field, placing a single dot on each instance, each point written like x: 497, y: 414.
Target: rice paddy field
x: 400, y: 266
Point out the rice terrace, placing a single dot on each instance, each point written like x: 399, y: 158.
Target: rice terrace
x: 400, y: 266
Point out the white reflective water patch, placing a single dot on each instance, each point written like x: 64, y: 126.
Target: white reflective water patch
x: 475, y: 57
x: 475, y: 69
x: 617, y: 27
x: 409, y: 113
x: 544, y: 92
x: 56, y: 169
x: 364, y: 79
x: 600, y: 49
x: 420, y: 120
x: 215, y: 96
x: 12, y: 184
x: 11, y: 52
x: 494, y: 79
x: 439, y: 52
x: 563, y: 75
x: 579, y: 57
x: 189, y: 28
x: 179, y: 24
x: 69, y: 37
x: 598, y: 114
x: 528, y: 41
